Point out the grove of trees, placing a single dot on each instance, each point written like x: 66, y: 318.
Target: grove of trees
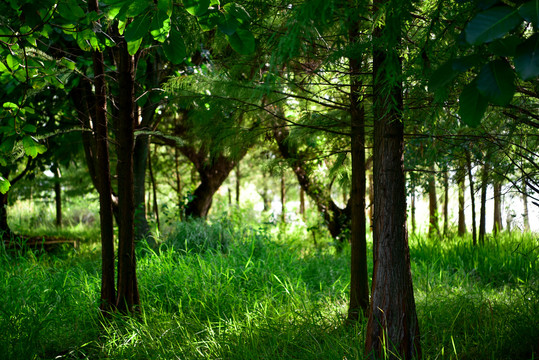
x: 333, y: 97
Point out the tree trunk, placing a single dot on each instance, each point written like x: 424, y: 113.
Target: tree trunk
x: 5, y: 231
x: 412, y: 210
x: 128, y: 297
x: 178, y: 183
x: 57, y: 195
x: 497, y: 207
x: 359, y: 280
x: 482, y: 211
x: 238, y: 183
x: 472, y: 195
x: 302, y: 202
x: 154, y: 192
x: 102, y: 169
x: 140, y: 158
x: 433, y: 204
x: 393, y: 326
x: 462, y: 218
x: 446, y: 203
x: 283, y: 204
x: 525, y: 213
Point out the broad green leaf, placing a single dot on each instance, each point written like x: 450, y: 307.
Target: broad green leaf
x: 229, y: 25
x: 465, y: 63
x: 7, y: 144
x: 242, y: 41
x: 138, y: 7
x: 136, y: 29
x: 174, y: 47
x: 160, y: 26
x: 472, y: 105
x: 238, y: 12
x: 506, y: 46
x: 29, y: 128
x: 133, y: 46
x: 68, y: 63
x: 12, y: 62
x: 491, y: 24
x: 165, y: 6
x: 210, y: 19
x: 214, y: 2
x: 196, y: 7
x: 530, y: 12
x: 442, y: 76
x: 70, y: 10
x: 2, y: 67
x: 4, y: 185
x: 527, y: 58
x: 31, y: 147
x: 10, y: 105
x: 496, y: 82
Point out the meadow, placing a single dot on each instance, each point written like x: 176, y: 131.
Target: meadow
x: 239, y: 289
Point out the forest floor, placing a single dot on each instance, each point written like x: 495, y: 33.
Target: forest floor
x: 226, y: 291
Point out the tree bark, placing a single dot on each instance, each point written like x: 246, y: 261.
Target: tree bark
x: 57, y: 195
x: 154, y: 192
x: 178, y: 183
x: 472, y: 195
x: 393, y: 326
x: 103, y: 181
x: 412, y: 210
x: 482, y: 211
x: 525, y: 212
x: 446, y: 203
x: 128, y: 297
x: 497, y: 207
x: 302, y: 202
x: 5, y: 231
x: 238, y: 183
x: 359, y: 280
x: 433, y: 204
x: 462, y: 218
x: 140, y: 158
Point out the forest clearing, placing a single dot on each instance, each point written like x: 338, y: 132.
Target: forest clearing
x: 262, y: 179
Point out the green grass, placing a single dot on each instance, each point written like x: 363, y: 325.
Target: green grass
x: 270, y: 295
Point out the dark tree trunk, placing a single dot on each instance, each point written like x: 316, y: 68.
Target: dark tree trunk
x: 178, y: 182
x: 103, y: 182
x: 483, y: 211
x: 154, y: 192
x: 359, y: 280
x: 371, y: 198
x: 283, y: 199
x: 393, y: 326
x: 238, y: 183
x: 57, y: 195
x: 212, y: 175
x: 472, y: 195
x: 412, y: 210
x: 446, y: 203
x: 433, y: 204
x: 5, y: 231
x: 140, y: 158
x: 462, y: 218
x: 128, y: 296
x: 497, y: 207
x: 337, y: 220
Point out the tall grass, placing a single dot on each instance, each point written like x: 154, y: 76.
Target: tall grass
x: 266, y: 295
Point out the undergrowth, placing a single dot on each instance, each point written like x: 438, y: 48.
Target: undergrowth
x: 251, y: 293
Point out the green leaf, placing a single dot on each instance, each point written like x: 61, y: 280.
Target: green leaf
x: 242, y: 41
x: 70, y: 10
x: 210, y: 19
x: 491, y: 24
x: 29, y: 128
x: 530, y: 12
x: 10, y: 105
x: 31, y: 147
x: 7, y: 144
x: 4, y: 185
x: 12, y: 62
x: 527, y: 58
x: 196, y: 7
x: 506, y: 46
x: 136, y: 29
x: 174, y: 47
x: 229, y: 25
x: 467, y: 62
x: 442, y: 76
x: 2, y: 67
x: 496, y: 82
x: 165, y: 6
x: 160, y: 26
x: 133, y: 46
x: 238, y: 12
x: 138, y: 7
x: 472, y: 105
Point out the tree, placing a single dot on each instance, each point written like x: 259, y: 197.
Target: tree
x: 393, y: 326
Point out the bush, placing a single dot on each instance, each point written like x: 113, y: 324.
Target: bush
x: 198, y: 236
